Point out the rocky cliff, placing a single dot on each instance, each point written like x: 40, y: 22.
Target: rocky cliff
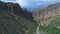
x: 49, y: 11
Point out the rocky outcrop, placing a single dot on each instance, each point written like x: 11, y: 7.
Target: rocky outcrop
x: 51, y: 10
x: 15, y: 7
x: 3, y: 5
x: 12, y: 7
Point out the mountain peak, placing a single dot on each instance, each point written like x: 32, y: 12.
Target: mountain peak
x: 12, y: 7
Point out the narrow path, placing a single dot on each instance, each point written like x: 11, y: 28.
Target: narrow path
x: 37, y: 30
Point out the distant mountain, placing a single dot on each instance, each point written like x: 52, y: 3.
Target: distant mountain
x: 34, y: 7
x: 51, y: 10
x: 15, y: 20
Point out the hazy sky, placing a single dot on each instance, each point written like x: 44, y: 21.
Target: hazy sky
x: 32, y: 2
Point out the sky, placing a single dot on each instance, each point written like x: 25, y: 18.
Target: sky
x: 32, y: 3
x: 9, y: 0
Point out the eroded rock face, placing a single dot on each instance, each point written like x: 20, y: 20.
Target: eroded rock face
x: 15, y: 7
x: 49, y: 11
x: 12, y: 7
x: 3, y: 5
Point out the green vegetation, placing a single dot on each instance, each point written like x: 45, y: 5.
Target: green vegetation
x: 23, y: 23
x: 51, y: 28
x: 14, y: 24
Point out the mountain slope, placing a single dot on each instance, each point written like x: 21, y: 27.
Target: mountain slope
x: 50, y: 25
x: 51, y: 10
x: 48, y: 19
x: 13, y: 20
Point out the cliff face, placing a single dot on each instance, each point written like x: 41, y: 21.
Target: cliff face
x: 12, y: 7
x: 51, y: 10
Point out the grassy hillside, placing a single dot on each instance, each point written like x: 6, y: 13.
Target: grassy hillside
x: 49, y: 25
x: 13, y: 24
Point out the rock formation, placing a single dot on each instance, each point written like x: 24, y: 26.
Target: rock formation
x: 51, y: 10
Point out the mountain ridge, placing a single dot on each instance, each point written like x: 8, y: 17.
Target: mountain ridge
x: 48, y: 11
x: 15, y: 20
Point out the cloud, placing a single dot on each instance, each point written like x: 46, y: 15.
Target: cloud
x: 22, y: 2
x: 34, y: 2
x: 44, y: 0
x: 39, y: 3
x: 8, y: 0
x: 48, y: 0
